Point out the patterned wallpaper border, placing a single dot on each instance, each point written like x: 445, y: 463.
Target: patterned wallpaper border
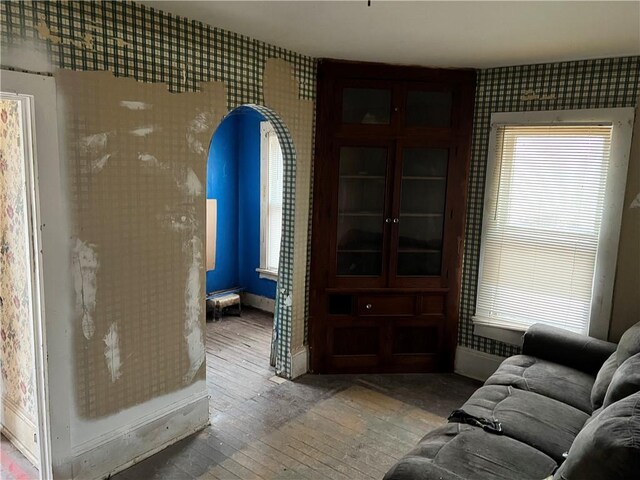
x: 134, y: 40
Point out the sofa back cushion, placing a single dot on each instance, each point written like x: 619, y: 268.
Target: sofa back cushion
x: 607, y: 447
x: 629, y: 344
x: 625, y: 381
x: 600, y: 386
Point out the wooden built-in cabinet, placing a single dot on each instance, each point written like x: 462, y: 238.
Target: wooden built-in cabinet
x: 391, y: 165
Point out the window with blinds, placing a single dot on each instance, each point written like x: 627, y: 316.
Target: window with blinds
x: 544, y: 208
x: 272, y: 172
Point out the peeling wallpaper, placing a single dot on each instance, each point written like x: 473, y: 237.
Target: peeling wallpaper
x: 136, y: 159
x: 136, y: 164
x: 17, y: 364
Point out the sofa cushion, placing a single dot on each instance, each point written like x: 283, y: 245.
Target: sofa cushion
x: 460, y: 452
x: 625, y: 382
x: 605, y: 374
x: 629, y: 344
x: 561, y: 346
x: 541, y: 422
x: 608, y: 446
x: 552, y: 380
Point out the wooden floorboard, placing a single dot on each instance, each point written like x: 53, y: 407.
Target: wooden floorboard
x: 317, y: 427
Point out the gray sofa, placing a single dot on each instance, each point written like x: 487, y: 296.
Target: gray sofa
x: 565, y: 393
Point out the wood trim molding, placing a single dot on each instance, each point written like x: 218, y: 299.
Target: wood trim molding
x: 476, y: 364
x: 20, y: 430
x: 101, y: 459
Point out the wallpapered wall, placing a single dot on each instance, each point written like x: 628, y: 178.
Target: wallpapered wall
x: 604, y: 83
x: 16, y: 328
x: 135, y: 41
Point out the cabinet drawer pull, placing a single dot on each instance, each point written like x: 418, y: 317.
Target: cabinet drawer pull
x: 368, y: 306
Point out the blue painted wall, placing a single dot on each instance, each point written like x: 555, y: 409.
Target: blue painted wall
x: 222, y: 184
x: 233, y: 178
x: 249, y: 206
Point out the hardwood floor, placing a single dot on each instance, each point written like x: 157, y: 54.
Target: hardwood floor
x: 343, y: 427
x: 317, y: 427
x: 238, y: 350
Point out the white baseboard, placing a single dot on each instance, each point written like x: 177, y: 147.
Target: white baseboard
x: 20, y: 430
x: 476, y: 364
x: 256, y: 301
x: 300, y: 363
x: 140, y: 441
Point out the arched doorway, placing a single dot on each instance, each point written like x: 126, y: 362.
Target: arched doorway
x: 281, y: 334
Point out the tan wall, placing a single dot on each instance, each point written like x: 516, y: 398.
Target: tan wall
x: 136, y: 165
x: 626, y: 294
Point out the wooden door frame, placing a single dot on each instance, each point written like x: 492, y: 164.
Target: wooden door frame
x: 36, y: 95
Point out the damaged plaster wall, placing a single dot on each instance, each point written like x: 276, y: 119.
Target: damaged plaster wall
x: 138, y: 42
x: 136, y: 164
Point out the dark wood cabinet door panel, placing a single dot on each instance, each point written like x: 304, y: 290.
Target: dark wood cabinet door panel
x: 432, y: 304
x: 416, y: 340
x: 355, y: 340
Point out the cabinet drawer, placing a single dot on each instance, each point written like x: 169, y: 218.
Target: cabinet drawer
x: 432, y: 304
x: 386, y: 305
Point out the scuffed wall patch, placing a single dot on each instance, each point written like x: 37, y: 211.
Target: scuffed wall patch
x: 85, y: 281
x: 138, y: 223
x: 95, y: 146
x: 191, y: 185
x: 193, y: 310
x: 133, y: 105
x: 112, y: 352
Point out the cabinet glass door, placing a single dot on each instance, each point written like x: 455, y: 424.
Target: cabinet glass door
x: 428, y: 109
x: 366, y: 106
x: 361, y: 207
x: 422, y: 206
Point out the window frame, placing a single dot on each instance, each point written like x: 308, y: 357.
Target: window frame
x: 266, y: 129
x: 621, y: 121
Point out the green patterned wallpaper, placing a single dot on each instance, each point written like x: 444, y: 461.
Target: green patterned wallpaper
x: 133, y: 40
x: 604, y: 83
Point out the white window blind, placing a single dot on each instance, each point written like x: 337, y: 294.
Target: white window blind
x: 271, y: 178
x: 274, y: 210
x: 542, y: 222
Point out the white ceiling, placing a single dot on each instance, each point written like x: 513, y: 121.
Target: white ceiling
x: 448, y: 34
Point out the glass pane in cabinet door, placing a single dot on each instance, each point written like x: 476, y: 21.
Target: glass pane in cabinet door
x: 424, y: 182
x: 361, y: 193
x: 366, y: 106
x: 428, y: 109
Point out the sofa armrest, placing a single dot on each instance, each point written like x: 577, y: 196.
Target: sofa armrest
x: 566, y: 348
